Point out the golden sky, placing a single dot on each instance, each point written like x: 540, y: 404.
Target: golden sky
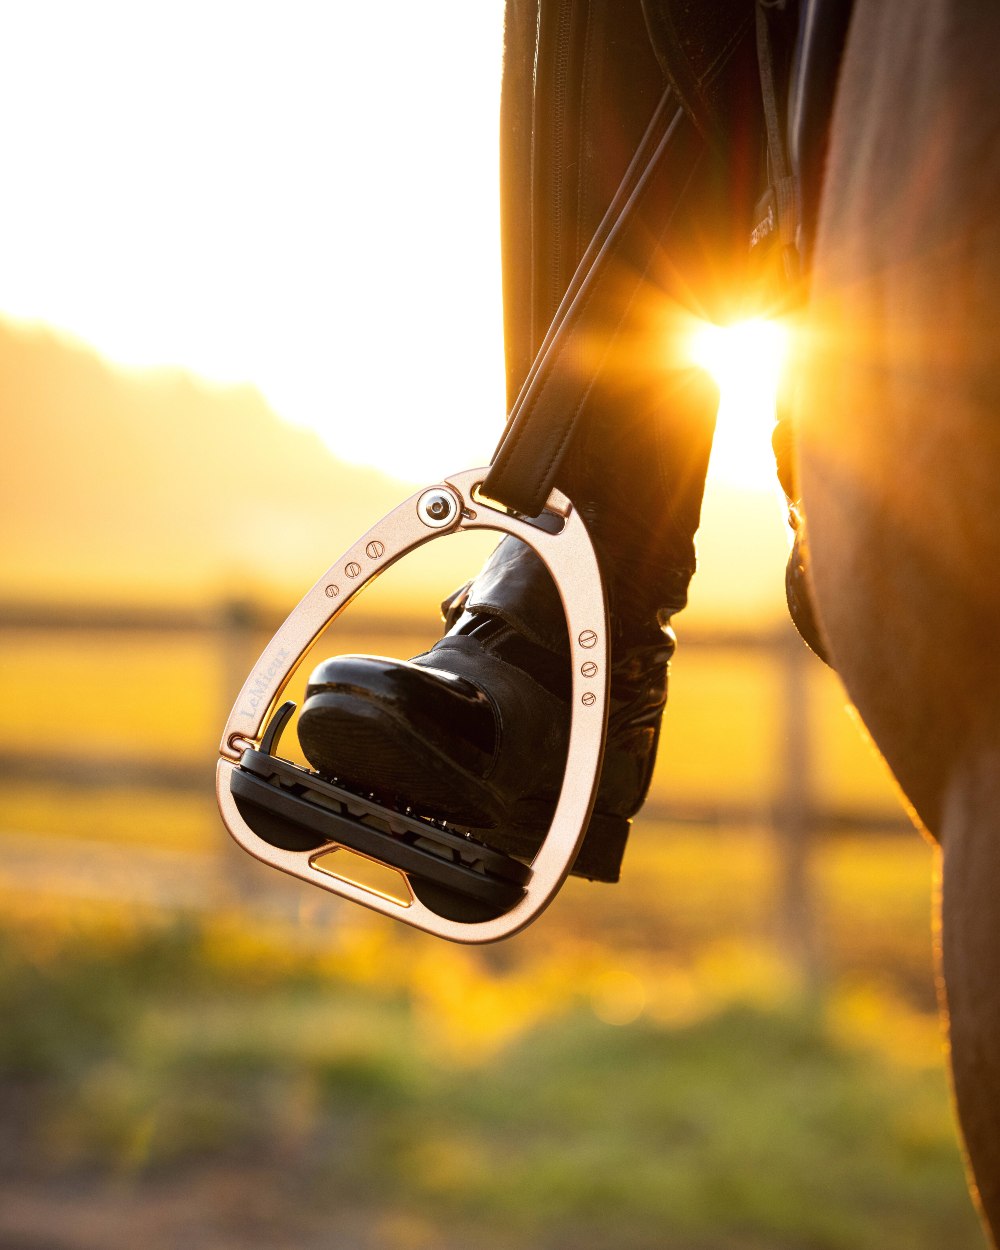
x: 302, y: 196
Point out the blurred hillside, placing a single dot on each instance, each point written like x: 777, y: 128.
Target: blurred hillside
x: 137, y: 486
x: 157, y: 487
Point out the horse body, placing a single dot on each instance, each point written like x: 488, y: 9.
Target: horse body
x: 898, y: 415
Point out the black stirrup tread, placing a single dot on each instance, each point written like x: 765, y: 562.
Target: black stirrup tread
x: 291, y: 807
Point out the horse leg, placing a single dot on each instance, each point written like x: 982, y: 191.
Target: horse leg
x: 898, y: 413
x: 970, y: 959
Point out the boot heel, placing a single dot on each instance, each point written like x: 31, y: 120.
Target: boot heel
x: 600, y: 854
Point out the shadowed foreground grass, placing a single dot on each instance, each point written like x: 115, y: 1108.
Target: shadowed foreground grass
x: 138, y: 1062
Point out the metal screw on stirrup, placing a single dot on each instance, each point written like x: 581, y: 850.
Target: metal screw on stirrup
x: 437, y: 508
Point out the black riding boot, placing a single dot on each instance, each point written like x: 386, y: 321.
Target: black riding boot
x: 475, y: 730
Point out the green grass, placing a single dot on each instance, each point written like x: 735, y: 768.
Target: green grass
x: 152, y: 1053
x: 634, y: 1071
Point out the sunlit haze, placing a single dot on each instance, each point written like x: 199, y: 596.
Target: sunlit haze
x: 303, y: 197
x: 745, y: 360
x: 300, y: 195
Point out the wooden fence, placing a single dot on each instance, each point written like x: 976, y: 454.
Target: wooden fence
x: 236, y: 630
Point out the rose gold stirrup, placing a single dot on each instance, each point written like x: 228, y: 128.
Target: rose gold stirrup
x: 290, y: 818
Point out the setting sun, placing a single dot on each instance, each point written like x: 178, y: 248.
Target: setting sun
x: 745, y: 360
x: 250, y: 228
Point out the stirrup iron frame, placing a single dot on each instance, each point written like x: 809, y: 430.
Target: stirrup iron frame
x: 453, y: 506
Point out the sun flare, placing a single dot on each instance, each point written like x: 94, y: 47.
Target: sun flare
x: 212, y: 230
x: 745, y: 360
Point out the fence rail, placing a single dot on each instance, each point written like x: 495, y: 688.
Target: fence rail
x: 238, y: 627
x: 791, y: 809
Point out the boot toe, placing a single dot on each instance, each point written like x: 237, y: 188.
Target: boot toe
x: 418, y: 736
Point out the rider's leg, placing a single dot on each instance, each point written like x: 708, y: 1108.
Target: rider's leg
x: 475, y: 730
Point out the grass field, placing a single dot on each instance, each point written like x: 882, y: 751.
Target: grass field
x: 639, y: 1070
x: 643, y: 1068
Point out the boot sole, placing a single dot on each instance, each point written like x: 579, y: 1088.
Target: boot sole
x: 367, y: 748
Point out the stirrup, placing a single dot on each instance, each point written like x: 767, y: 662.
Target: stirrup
x: 291, y: 818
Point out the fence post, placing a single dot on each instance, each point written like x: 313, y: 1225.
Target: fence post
x: 795, y: 817
x: 240, y: 627
x: 239, y: 633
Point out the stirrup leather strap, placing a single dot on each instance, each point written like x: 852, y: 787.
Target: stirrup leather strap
x: 609, y: 276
